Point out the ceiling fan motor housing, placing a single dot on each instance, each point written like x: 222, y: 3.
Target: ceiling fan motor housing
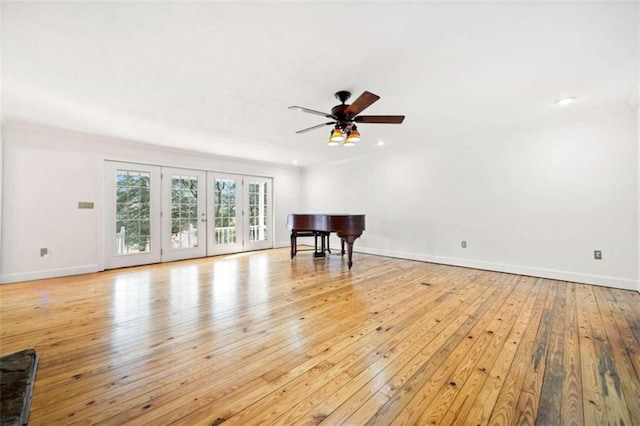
x: 338, y: 110
x: 341, y: 117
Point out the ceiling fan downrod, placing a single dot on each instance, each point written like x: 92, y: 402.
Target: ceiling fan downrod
x: 343, y: 96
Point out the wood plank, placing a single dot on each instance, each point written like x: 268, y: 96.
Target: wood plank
x: 532, y: 385
x: 299, y: 388
x: 478, y: 393
x: 572, y: 411
x: 624, y: 318
x: 379, y: 363
x: 504, y: 411
x: 222, y: 364
x: 227, y: 373
x: 368, y: 396
x: 592, y: 399
x: 290, y: 379
x: 485, y: 402
x: 629, y: 302
x: 410, y: 382
x: 485, y: 347
x: 624, y: 365
x: 615, y: 407
x: 550, y: 406
x: 257, y: 338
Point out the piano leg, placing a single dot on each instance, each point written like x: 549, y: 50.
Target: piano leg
x: 349, y: 240
x: 294, y: 249
x: 342, y: 246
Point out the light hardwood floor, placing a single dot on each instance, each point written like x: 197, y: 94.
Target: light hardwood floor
x: 258, y: 338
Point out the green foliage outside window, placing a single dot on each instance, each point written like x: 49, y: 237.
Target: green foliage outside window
x: 133, y: 210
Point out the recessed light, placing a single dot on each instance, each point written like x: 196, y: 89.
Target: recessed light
x: 294, y: 162
x: 565, y: 101
x: 380, y: 143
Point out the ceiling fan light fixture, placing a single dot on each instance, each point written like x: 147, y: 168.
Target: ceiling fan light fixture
x: 334, y: 138
x: 353, y: 137
x: 337, y: 135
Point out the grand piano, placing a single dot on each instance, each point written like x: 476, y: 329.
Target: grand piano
x: 347, y: 226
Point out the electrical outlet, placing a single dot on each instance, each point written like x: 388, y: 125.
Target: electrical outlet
x: 44, y: 252
x: 463, y: 244
x: 597, y: 254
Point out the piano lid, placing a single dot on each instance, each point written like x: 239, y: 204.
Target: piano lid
x: 352, y: 224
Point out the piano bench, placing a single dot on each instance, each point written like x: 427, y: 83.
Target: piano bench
x: 317, y: 253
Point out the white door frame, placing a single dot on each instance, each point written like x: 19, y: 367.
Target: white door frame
x: 264, y: 239
x: 224, y: 239
x: 114, y: 239
x: 160, y: 246
x: 197, y: 231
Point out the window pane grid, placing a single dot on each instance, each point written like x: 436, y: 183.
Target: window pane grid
x: 184, y: 212
x: 133, y: 212
x: 258, y: 218
x: 225, y: 211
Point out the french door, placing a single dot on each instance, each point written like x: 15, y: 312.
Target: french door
x: 184, y: 216
x: 239, y: 213
x: 132, y: 214
x: 257, y: 199
x: 225, y: 214
x: 158, y: 214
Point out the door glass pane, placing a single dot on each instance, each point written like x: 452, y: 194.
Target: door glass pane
x: 258, y: 211
x: 184, y: 212
x: 133, y: 212
x: 225, y: 211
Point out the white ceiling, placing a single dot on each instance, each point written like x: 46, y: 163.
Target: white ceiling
x: 217, y: 77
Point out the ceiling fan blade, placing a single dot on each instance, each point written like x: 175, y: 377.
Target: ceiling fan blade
x: 315, y: 127
x: 360, y: 104
x: 382, y: 119
x: 312, y: 111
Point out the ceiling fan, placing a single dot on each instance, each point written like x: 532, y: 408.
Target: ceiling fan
x: 346, y: 116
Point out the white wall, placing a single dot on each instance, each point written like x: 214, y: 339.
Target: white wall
x: 48, y: 171
x: 637, y: 106
x: 1, y: 174
x: 533, y: 201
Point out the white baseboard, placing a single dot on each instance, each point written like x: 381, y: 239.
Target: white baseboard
x: 626, y: 284
x: 47, y: 273
x: 623, y: 283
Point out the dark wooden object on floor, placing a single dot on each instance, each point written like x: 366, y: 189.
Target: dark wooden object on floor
x: 317, y: 251
x: 347, y: 226
x: 17, y: 374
